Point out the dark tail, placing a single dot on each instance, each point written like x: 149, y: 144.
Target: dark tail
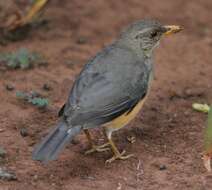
x: 54, y: 142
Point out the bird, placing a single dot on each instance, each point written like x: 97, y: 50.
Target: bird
x: 109, y: 91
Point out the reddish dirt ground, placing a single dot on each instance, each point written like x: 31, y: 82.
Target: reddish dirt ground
x: 168, y: 132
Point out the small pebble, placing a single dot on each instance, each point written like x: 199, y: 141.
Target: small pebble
x: 190, y: 92
x: 9, y: 87
x: 162, y: 167
x: 2, y: 152
x: 88, y: 177
x: 1, y: 130
x: 35, y: 177
x: 46, y: 87
x: 5, y: 175
x: 173, y: 94
x: 186, y: 113
x: 34, y: 94
x: 24, y: 132
x: 71, y: 64
x: 81, y: 40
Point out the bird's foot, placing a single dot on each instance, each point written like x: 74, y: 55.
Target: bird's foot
x: 100, y: 148
x: 119, y: 156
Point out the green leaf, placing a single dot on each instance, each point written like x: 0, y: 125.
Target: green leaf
x: 3, y: 57
x: 201, y: 107
x: 208, y: 133
x: 40, y: 102
x: 21, y: 95
x: 31, y: 98
x: 12, y: 63
x: 9, y: 59
x: 23, y: 58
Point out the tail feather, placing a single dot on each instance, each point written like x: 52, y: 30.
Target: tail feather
x: 54, y: 142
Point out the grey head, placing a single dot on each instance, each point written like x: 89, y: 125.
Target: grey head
x: 145, y: 35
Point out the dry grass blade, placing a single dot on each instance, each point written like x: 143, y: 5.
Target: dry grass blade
x: 207, y: 162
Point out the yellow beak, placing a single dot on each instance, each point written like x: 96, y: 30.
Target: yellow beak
x: 171, y: 29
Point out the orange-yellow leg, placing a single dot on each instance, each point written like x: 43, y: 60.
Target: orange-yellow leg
x: 116, y: 154
x: 34, y: 10
x: 95, y: 148
x: 21, y: 20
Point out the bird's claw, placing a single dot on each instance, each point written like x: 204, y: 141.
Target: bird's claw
x: 100, y: 148
x: 120, y: 156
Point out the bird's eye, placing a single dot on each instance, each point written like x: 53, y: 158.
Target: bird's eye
x: 154, y: 34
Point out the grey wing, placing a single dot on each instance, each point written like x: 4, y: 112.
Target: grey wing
x: 112, y: 84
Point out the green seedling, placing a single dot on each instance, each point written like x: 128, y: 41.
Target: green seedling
x: 201, y: 107
x: 208, y: 142
x: 20, y: 59
x: 40, y: 102
x: 207, y: 156
x: 33, y: 98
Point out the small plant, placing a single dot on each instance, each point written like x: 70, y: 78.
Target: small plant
x: 207, y: 156
x: 20, y: 59
x: 201, y: 107
x: 33, y: 98
x: 208, y: 142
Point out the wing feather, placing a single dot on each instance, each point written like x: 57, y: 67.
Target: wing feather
x: 110, y: 85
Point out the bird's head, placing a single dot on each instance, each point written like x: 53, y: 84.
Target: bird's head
x: 146, y: 34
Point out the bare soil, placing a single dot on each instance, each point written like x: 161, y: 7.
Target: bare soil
x: 169, y: 134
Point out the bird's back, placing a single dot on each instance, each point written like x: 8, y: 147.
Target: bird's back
x: 111, y: 84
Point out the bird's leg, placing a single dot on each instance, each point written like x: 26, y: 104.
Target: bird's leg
x: 116, y: 153
x: 19, y: 20
x: 34, y: 10
x: 95, y: 148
